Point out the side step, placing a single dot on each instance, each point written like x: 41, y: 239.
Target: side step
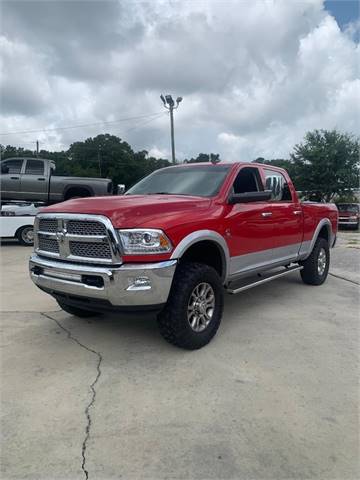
x: 251, y: 282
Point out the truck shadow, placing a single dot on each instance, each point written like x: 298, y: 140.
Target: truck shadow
x: 139, y: 332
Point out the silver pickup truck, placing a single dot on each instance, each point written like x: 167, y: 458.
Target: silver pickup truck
x: 33, y: 179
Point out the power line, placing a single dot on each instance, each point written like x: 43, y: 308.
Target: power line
x: 82, y: 125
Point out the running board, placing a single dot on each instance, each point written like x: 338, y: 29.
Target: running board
x: 262, y: 278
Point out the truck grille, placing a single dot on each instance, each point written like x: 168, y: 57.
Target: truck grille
x: 48, y: 244
x: 91, y: 250
x: 85, y: 227
x: 75, y: 239
x: 48, y: 225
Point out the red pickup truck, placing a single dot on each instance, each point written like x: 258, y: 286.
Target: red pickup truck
x: 177, y: 241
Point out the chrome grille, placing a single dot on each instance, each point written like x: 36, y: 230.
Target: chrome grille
x: 48, y: 244
x: 90, y: 249
x: 48, y: 225
x: 77, y: 238
x: 85, y: 227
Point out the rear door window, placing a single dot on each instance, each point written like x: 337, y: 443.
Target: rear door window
x: 276, y: 182
x: 34, y: 167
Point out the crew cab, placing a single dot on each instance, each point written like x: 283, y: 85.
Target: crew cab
x: 33, y: 179
x: 177, y: 241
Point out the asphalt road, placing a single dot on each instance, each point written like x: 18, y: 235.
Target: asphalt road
x: 274, y: 396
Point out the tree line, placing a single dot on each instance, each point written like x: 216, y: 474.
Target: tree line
x: 323, y: 166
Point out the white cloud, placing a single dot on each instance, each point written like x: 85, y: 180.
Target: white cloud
x: 255, y: 75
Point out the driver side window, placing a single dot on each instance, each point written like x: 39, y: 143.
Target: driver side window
x: 14, y: 166
x: 247, y: 180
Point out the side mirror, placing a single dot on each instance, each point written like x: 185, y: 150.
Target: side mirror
x: 248, y: 197
x: 120, y: 189
x: 4, y: 169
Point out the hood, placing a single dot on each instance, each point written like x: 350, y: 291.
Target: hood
x: 130, y: 211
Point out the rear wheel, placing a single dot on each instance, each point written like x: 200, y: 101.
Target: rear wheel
x: 78, y: 312
x: 194, y: 309
x: 316, y: 266
x: 25, y: 235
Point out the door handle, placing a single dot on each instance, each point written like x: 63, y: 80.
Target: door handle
x: 41, y: 179
x: 14, y: 178
x: 266, y: 214
x: 297, y: 212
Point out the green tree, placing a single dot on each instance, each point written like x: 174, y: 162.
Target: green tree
x: 204, y: 157
x: 326, y: 164
x: 280, y: 162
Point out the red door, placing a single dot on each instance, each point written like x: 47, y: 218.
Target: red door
x: 249, y: 226
x: 286, y: 216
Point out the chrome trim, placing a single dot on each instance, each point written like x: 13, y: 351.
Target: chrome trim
x: 273, y: 276
x: 64, y: 238
x: 61, y: 277
x: 199, y: 236
x: 266, y: 214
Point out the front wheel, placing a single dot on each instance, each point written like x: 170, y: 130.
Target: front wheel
x: 78, y: 312
x: 194, y: 309
x: 25, y: 235
x: 316, y: 266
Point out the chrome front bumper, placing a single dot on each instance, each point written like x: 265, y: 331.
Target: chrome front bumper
x: 127, y: 285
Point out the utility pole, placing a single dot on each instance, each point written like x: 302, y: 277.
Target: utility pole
x: 169, y: 104
x: 37, y: 148
x: 99, y: 159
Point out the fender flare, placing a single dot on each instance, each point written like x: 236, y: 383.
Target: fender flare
x: 83, y: 187
x: 202, y: 235
x: 307, y: 248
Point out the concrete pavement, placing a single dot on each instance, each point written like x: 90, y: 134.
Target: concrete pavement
x: 275, y: 395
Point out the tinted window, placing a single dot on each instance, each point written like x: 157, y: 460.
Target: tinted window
x: 34, y: 167
x: 247, y: 180
x: 203, y: 181
x: 13, y: 165
x: 276, y: 182
x: 348, y: 207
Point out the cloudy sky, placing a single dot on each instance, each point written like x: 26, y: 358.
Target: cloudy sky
x: 255, y: 75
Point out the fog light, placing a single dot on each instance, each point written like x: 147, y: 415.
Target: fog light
x: 139, y: 283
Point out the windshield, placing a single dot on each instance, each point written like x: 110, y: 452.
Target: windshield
x: 348, y: 207
x: 203, y: 181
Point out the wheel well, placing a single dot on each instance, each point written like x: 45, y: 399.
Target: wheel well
x: 206, y: 252
x: 324, y: 233
x: 21, y: 228
x: 77, y: 192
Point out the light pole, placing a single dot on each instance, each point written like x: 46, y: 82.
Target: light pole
x: 169, y: 104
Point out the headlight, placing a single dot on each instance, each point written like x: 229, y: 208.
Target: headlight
x: 139, y: 241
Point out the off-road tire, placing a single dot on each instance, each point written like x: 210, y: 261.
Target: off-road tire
x: 22, y: 237
x: 173, y: 320
x: 309, y: 273
x: 78, y: 312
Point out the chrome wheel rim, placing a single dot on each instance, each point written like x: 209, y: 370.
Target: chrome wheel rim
x: 28, y: 235
x: 321, y: 262
x: 201, y: 307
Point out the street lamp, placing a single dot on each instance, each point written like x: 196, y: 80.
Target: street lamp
x: 169, y: 104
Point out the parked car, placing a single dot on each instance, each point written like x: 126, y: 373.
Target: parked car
x: 349, y: 215
x: 33, y: 179
x: 17, y: 221
x: 177, y: 241
x: 19, y: 209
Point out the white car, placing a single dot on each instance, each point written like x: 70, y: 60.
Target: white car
x: 17, y: 221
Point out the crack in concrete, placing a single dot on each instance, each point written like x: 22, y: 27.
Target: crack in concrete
x: 345, y: 279
x: 92, y: 388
